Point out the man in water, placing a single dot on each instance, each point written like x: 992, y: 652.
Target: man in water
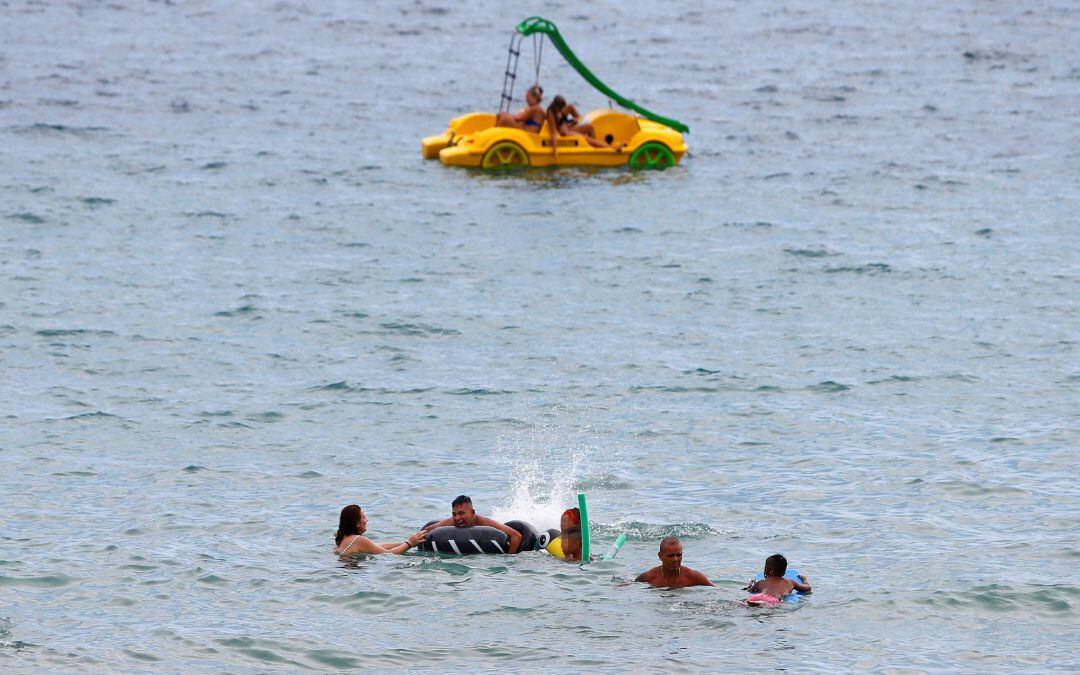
x: 463, y: 515
x: 670, y: 573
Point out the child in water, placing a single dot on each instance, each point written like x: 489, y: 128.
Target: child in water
x: 775, y: 585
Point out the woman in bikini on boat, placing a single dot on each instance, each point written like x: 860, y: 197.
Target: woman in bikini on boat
x: 564, y: 119
x: 531, y: 117
x: 350, y: 539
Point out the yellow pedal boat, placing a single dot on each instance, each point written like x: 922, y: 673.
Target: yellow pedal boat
x: 473, y: 140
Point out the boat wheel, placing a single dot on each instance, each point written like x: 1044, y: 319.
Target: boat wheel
x: 505, y: 155
x: 652, y: 155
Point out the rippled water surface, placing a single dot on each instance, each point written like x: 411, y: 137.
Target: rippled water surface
x: 233, y: 299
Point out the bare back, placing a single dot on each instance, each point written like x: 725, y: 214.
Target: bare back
x: 777, y: 587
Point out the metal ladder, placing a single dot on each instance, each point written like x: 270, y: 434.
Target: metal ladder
x: 511, y: 72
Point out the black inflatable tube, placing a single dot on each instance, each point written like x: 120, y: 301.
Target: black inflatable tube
x: 477, y: 540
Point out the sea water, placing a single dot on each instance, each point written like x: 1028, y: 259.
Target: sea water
x: 234, y: 299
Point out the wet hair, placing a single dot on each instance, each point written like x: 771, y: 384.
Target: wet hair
x: 348, y: 523
x: 574, y: 516
x: 557, y: 104
x: 775, y: 565
x: 668, y: 540
x: 536, y: 90
x: 461, y: 499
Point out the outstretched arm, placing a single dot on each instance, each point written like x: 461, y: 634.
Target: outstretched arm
x: 442, y: 523
x: 513, y: 535
x: 399, y: 547
x: 365, y: 545
x: 803, y: 587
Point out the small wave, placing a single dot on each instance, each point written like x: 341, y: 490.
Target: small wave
x: 869, y: 268
x: 91, y: 416
x: 42, y: 581
x: 27, y: 217
x: 70, y: 332
x: 335, y: 660
x: 243, y: 310
x: 636, y: 530
x: 896, y: 378
x: 269, y: 417
x: 145, y: 657
x: 50, y: 129
x: 260, y: 650
x: 810, y: 253
x: 5, y: 637
x: 416, y: 329
x: 479, y: 392
x: 97, y: 201
x: 828, y: 387
x: 759, y: 223
x: 1049, y: 599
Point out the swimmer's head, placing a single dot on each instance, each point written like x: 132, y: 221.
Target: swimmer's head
x: 534, y: 94
x: 670, y: 554
x: 461, y: 509
x: 352, y: 521
x: 557, y: 104
x: 775, y: 565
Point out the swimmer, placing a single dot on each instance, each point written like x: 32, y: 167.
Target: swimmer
x: 671, y: 573
x: 570, y: 524
x: 775, y: 585
x: 463, y: 515
x: 350, y: 539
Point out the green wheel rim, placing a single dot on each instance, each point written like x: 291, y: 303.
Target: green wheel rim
x: 505, y: 155
x: 652, y: 156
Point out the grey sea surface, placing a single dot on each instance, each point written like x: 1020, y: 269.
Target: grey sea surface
x: 234, y: 299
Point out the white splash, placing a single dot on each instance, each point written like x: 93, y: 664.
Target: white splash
x: 543, y: 482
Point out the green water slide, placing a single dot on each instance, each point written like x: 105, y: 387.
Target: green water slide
x: 536, y: 24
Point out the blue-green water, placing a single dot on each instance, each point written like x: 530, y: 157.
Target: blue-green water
x: 234, y: 299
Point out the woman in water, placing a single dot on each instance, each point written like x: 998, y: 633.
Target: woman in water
x: 531, y: 117
x: 563, y: 118
x: 350, y: 538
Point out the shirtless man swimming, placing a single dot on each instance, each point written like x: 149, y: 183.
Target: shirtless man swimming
x: 671, y: 573
x: 463, y: 515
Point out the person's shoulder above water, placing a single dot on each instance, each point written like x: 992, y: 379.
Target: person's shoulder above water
x: 774, y: 584
x: 462, y: 514
x: 350, y: 539
x: 671, y: 573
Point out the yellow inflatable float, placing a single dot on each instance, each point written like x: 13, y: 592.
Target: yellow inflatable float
x: 473, y: 140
